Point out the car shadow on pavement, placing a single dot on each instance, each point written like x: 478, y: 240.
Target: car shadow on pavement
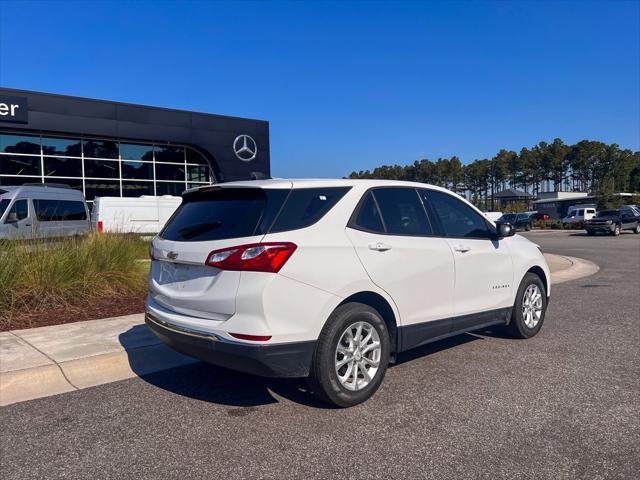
x: 222, y: 386
x: 207, y: 382
x: 435, y: 347
x: 227, y: 387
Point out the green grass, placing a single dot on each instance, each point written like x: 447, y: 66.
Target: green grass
x: 38, y: 274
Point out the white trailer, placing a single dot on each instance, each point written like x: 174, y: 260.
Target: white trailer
x: 145, y: 214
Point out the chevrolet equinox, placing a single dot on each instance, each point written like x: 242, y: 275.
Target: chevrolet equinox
x: 331, y: 279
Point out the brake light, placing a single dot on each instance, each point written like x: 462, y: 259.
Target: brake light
x: 100, y: 226
x: 254, y: 257
x: 253, y: 338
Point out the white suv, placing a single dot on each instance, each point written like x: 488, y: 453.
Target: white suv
x: 330, y: 279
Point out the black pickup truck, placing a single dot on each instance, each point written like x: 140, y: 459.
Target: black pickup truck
x: 614, y: 221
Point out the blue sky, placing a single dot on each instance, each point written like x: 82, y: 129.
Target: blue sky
x: 349, y: 85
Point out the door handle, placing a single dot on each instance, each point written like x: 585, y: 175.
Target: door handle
x: 379, y: 246
x: 461, y: 248
x: 27, y: 224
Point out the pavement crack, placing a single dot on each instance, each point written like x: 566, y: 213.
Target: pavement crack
x: 43, y: 353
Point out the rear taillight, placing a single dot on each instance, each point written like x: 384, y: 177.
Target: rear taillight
x: 100, y: 226
x: 254, y: 257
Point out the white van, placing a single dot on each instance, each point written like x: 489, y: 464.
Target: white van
x: 145, y: 214
x: 578, y: 214
x: 43, y: 211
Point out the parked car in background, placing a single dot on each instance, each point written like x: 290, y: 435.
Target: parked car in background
x: 144, y: 215
x: 540, y: 216
x: 493, y: 216
x: 520, y: 221
x: 331, y: 279
x: 42, y: 211
x: 578, y: 214
x: 614, y: 221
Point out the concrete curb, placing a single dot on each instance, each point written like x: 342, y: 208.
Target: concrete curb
x: 575, y: 268
x: 46, y: 361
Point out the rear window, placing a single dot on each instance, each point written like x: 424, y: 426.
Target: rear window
x: 305, y: 206
x: 220, y: 213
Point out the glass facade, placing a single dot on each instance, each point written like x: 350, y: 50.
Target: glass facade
x: 101, y: 167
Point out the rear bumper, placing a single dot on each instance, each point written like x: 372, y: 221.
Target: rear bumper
x: 279, y: 360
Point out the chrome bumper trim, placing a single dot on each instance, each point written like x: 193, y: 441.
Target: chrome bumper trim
x: 182, y: 330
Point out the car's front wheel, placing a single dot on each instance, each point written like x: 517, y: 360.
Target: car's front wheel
x: 616, y: 231
x: 529, y: 308
x: 637, y: 229
x: 351, y: 356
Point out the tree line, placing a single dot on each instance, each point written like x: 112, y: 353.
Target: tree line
x: 588, y: 166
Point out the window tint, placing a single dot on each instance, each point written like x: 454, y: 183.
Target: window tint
x: 169, y: 172
x: 100, y: 149
x: 3, y: 206
x: 101, y: 169
x: 169, y: 154
x: 62, y: 167
x: 135, y: 189
x: 368, y: 217
x: 220, y: 213
x: 19, y: 144
x: 59, y: 210
x: 139, y: 170
x: 130, y: 151
x: 522, y: 217
x: 19, y: 165
x: 305, y: 206
x: 61, y: 146
x: 21, y: 209
x: 101, y: 188
x: 166, y: 188
x: 456, y: 217
x: 402, y: 211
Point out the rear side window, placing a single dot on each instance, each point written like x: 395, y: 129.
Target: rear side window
x: 305, y: 206
x: 59, y: 210
x: 220, y: 213
x: 368, y: 217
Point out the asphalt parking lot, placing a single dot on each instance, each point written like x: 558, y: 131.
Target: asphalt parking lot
x: 565, y: 404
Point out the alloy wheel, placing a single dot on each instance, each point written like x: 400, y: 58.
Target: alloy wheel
x: 357, y: 357
x: 532, y: 306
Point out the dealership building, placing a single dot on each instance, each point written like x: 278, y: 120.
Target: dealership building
x: 117, y: 149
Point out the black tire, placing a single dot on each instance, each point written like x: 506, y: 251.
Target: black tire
x: 637, y: 229
x: 616, y: 231
x: 591, y: 233
x: 324, y: 378
x: 517, y: 326
x: 527, y: 227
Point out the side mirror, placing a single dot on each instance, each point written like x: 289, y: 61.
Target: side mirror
x: 12, y: 218
x: 505, y: 229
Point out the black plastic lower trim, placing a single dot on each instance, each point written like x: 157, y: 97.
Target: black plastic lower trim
x: 279, y: 360
x: 411, y: 336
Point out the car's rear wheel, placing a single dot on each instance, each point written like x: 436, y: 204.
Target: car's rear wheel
x: 527, y: 227
x: 351, y: 356
x: 637, y: 229
x: 529, y: 308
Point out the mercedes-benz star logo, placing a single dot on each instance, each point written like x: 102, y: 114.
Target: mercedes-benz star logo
x: 245, y: 148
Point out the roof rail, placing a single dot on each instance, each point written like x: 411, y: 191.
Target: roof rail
x: 50, y: 185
